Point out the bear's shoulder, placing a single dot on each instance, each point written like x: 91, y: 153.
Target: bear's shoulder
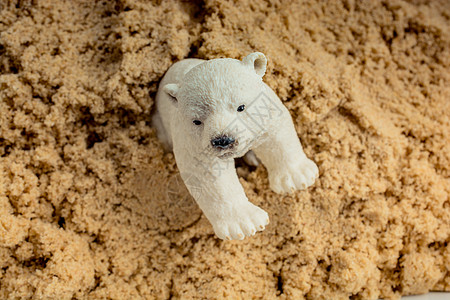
x: 177, y: 71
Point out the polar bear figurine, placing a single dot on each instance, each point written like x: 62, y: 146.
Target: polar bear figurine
x: 212, y: 111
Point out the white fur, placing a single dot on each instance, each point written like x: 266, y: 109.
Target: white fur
x: 211, y: 91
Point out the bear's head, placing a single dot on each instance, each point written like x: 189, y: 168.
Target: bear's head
x: 214, y: 101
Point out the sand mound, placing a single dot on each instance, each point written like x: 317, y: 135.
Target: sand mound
x: 91, y: 206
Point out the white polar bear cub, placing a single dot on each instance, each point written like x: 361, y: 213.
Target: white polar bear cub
x: 210, y: 112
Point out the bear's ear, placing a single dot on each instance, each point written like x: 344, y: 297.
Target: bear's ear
x: 172, y: 90
x: 257, y: 61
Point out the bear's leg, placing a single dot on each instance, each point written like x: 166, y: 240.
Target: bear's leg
x: 251, y: 159
x: 216, y: 188
x: 282, y: 154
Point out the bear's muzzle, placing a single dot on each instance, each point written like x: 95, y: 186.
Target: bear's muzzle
x: 223, y: 142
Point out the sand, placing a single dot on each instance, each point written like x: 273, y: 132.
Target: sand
x: 91, y: 207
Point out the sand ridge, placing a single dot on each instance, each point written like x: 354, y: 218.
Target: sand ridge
x: 91, y: 207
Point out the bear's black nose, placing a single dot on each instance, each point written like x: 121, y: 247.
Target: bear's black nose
x: 222, y: 142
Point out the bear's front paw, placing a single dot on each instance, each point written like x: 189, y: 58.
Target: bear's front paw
x: 291, y: 177
x: 244, y: 220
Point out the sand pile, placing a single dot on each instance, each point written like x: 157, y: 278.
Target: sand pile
x: 91, y: 206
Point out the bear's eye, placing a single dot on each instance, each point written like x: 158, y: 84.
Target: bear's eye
x: 197, y: 122
x: 241, y: 108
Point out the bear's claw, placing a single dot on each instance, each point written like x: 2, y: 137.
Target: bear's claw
x: 292, y: 177
x: 246, y: 220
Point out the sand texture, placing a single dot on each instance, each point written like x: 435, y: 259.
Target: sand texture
x: 91, y: 207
